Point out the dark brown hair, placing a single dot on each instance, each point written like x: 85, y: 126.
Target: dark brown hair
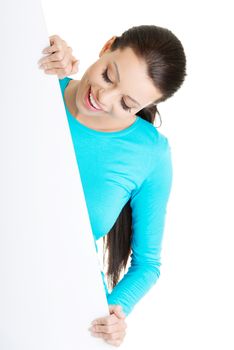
x: 166, y: 67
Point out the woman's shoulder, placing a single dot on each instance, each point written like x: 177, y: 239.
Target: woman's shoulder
x: 64, y: 82
x: 156, y: 139
x: 159, y: 145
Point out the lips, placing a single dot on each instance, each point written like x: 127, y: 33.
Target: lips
x: 95, y: 99
x: 88, y: 103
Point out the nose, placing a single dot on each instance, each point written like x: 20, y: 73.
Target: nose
x: 106, y: 97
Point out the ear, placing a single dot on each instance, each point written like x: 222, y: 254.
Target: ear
x: 107, y: 45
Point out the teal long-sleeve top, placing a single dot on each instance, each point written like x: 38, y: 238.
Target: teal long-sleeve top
x: 131, y: 164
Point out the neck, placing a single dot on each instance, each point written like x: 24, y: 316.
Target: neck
x: 70, y: 96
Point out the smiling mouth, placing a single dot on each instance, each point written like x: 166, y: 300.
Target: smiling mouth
x: 90, y: 102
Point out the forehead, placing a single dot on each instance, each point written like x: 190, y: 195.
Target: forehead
x: 134, y: 80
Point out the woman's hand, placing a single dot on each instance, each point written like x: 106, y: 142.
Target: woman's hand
x: 111, y: 328
x: 59, y: 59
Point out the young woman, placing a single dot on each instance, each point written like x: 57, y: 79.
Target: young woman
x: 124, y: 161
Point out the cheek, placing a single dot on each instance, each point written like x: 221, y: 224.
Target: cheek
x: 94, y: 73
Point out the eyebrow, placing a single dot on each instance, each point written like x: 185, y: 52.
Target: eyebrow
x: 117, y: 71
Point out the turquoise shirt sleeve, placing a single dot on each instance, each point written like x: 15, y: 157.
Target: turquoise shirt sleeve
x: 149, y: 205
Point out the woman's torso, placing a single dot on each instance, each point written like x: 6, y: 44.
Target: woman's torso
x: 112, y: 165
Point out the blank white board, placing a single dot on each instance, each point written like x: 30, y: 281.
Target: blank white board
x: 50, y: 282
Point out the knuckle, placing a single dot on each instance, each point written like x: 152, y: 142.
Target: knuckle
x: 105, y: 336
x: 63, y: 71
x: 122, y: 330
x: 74, y: 70
x: 57, y: 37
x: 59, y: 56
x: 60, y: 46
x: 57, y: 47
x: 48, y: 59
x: 106, y: 329
x: 67, y: 70
x: 75, y: 61
x: 54, y: 48
x: 63, y: 64
x: 109, y: 322
x: 112, y: 336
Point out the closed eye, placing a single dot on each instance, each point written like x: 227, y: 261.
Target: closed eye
x: 106, y: 78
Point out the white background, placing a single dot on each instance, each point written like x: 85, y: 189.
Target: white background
x: 47, y: 298
x: 191, y: 306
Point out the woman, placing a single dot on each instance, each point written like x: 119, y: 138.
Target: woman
x: 124, y: 162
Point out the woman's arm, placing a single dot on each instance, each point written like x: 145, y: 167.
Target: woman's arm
x: 59, y: 59
x: 149, y: 206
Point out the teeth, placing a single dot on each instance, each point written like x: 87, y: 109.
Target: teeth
x: 93, y: 102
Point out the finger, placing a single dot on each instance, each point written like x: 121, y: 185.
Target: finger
x: 66, y: 60
x: 117, y: 327
x: 61, y: 73
x: 115, y: 307
x: 56, y: 44
x: 54, y: 47
x: 55, y: 37
x: 55, y: 56
x: 75, y: 67
x: 56, y: 60
x: 56, y: 40
x: 75, y: 64
x: 61, y: 58
x: 118, y: 310
x: 108, y: 320
x: 112, y: 336
x: 65, y: 63
x: 114, y: 342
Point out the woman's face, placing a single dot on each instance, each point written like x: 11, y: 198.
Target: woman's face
x: 119, y: 85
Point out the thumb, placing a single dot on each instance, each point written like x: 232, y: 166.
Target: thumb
x: 75, y: 64
x: 117, y: 310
